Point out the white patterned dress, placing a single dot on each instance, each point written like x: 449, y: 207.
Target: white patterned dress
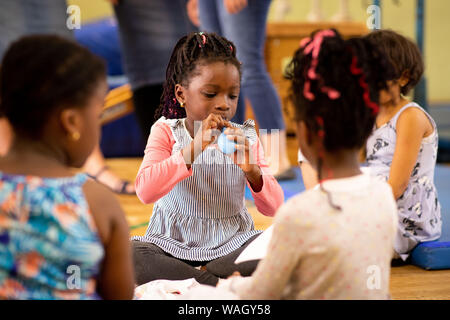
x: 419, y: 211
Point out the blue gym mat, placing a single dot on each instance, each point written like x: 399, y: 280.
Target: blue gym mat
x: 431, y: 255
x: 435, y: 255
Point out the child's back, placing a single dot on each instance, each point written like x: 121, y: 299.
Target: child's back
x: 334, y: 241
x: 47, y: 234
x: 332, y: 254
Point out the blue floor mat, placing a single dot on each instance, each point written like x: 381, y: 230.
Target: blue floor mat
x: 290, y: 187
x: 435, y: 255
x: 431, y: 255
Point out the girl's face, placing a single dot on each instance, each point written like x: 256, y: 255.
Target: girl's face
x: 392, y: 94
x: 213, y: 89
x: 88, y: 127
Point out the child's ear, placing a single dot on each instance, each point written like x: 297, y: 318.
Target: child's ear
x: 305, y: 140
x: 71, y: 122
x: 404, y: 79
x: 180, y: 93
x: 303, y: 133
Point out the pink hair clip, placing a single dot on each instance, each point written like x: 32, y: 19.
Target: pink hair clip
x: 313, y: 46
x: 304, y: 41
x: 203, y: 38
x: 202, y: 34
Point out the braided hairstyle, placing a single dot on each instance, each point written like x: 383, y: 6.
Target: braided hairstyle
x: 335, y: 86
x: 357, y: 71
x: 190, y: 51
x: 41, y: 74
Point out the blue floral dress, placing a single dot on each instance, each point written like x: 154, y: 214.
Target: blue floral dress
x: 49, y: 245
x: 419, y: 211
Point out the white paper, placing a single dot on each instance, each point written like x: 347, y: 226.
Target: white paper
x: 257, y: 249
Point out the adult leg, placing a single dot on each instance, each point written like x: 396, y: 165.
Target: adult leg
x: 152, y: 263
x: 210, y: 22
x: 247, y: 30
x: 208, y: 14
x: 46, y: 17
x: 12, y: 23
x: 224, y: 266
x: 148, y: 32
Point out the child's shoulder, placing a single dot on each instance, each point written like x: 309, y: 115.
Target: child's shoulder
x: 412, y: 112
x: 311, y: 202
x: 302, y: 204
x: 166, y: 127
x: 164, y: 122
x: 414, y: 116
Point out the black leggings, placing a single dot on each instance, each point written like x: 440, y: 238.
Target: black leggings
x: 152, y: 263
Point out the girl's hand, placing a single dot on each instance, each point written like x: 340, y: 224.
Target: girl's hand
x: 243, y: 157
x: 210, y: 129
x: 234, y: 6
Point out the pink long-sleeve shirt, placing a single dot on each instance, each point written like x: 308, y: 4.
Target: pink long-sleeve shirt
x: 161, y: 170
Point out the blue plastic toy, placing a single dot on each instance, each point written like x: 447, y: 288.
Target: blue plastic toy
x: 225, y: 145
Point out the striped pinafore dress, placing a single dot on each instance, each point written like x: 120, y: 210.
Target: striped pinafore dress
x: 204, y: 216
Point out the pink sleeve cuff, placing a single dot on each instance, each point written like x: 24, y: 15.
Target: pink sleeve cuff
x: 271, y: 196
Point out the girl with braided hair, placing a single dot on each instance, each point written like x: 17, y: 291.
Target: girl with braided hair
x: 199, y: 218
x: 328, y: 241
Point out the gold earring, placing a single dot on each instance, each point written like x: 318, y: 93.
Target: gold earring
x: 182, y: 104
x: 75, y: 136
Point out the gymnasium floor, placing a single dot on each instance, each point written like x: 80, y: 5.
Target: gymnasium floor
x: 407, y: 282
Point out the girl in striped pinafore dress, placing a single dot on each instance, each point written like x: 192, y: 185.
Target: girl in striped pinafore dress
x: 199, y: 216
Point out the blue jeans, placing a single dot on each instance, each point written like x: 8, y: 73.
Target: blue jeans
x: 247, y: 30
x: 149, y: 30
x: 23, y: 17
